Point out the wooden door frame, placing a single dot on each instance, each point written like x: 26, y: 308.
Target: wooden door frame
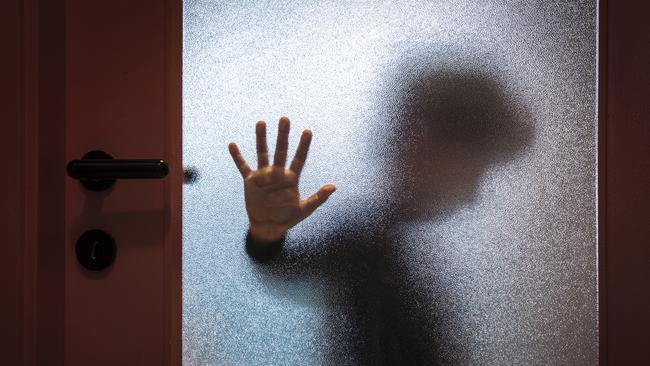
x: 624, y: 183
x: 33, y: 142
x: 33, y: 117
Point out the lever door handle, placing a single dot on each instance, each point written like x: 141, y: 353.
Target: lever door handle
x: 98, y: 170
x: 118, y: 169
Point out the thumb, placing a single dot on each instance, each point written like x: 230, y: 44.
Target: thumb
x: 308, y: 206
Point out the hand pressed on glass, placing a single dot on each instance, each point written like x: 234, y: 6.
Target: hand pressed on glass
x: 271, y: 192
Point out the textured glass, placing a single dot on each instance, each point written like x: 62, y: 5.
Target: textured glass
x: 461, y: 136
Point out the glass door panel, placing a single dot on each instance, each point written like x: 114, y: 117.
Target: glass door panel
x: 461, y: 136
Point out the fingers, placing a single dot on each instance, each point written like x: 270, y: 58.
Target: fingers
x: 282, y: 144
x: 244, y: 169
x: 262, y: 148
x: 301, y: 152
x: 308, y: 206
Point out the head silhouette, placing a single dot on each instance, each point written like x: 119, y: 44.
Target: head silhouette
x: 448, y: 125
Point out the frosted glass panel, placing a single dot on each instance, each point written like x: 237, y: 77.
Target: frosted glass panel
x: 461, y: 136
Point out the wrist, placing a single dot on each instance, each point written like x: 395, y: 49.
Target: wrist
x: 264, y: 234
x: 263, y: 244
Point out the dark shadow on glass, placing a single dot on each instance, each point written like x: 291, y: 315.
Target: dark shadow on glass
x: 190, y: 175
x: 450, y: 127
x: 443, y: 128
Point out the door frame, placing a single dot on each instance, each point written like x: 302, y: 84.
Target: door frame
x: 624, y: 183
x: 33, y: 142
x: 33, y: 116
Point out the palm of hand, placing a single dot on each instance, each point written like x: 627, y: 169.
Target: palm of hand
x: 272, y: 198
x: 271, y: 192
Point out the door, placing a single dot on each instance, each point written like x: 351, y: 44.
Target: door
x: 107, y: 264
x: 80, y: 76
x: 75, y: 75
x: 122, y: 97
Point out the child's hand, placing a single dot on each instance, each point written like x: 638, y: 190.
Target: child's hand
x: 271, y: 192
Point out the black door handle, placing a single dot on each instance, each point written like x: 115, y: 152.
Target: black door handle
x: 118, y: 169
x: 97, y: 170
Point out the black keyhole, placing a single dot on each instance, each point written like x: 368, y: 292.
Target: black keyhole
x: 95, y: 250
